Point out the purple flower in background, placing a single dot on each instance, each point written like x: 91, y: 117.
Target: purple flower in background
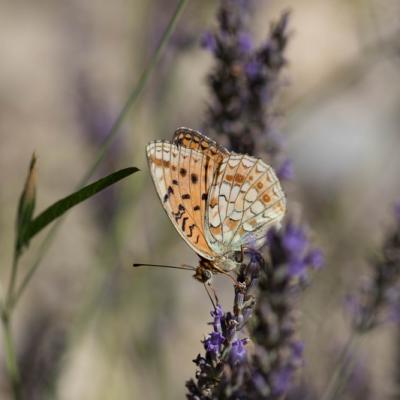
x: 285, y: 170
x: 315, y: 258
x: 208, y: 41
x: 291, y: 246
x: 245, y: 42
x: 377, y: 299
x: 281, y: 381
x: 294, y: 240
x: 274, y: 332
x: 298, y: 350
x: 253, y: 68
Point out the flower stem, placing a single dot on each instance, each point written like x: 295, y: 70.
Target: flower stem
x: 146, y: 74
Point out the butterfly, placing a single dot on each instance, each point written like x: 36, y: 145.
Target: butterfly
x: 219, y: 201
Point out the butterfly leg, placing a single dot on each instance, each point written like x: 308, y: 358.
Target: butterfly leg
x: 208, y: 286
x: 241, y: 254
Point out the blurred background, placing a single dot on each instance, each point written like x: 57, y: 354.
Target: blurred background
x: 90, y: 326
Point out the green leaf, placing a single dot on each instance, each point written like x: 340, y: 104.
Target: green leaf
x: 63, y: 205
x: 26, y: 203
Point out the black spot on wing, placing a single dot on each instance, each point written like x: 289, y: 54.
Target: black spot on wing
x: 191, y: 227
x: 194, y: 178
x: 184, y: 224
x: 169, y: 192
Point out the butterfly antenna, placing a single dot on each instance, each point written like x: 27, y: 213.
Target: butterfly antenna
x: 184, y: 267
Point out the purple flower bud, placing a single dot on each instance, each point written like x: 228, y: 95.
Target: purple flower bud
x: 217, y: 314
x: 238, y: 351
x: 213, y: 343
x: 315, y: 258
x: 208, y: 41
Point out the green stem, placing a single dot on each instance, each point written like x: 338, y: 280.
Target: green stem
x: 341, y: 374
x: 32, y: 269
x: 11, y: 358
x: 6, y: 312
x: 106, y: 144
x: 11, y: 284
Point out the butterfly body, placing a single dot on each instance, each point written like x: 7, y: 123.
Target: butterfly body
x: 219, y: 201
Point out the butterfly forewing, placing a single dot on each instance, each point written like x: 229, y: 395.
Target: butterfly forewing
x: 182, y: 177
x: 191, y: 139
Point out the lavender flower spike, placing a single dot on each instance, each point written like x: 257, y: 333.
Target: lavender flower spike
x: 377, y: 300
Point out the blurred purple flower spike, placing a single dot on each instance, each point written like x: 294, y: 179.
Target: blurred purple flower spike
x: 245, y: 42
x: 315, y: 258
x: 281, y: 381
x: 253, y: 68
x: 377, y: 299
x: 208, y: 41
x: 294, y: 240
x: 285, y: 171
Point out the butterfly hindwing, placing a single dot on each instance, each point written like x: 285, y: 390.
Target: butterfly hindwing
x: 245, y: 200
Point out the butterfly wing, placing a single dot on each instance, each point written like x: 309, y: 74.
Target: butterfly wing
x: 195, y: 140
x: 245, y: 200
x: 182, y: 177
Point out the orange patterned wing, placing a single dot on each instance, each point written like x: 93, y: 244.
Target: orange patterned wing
x: 245, y: 200
x: 191, y: 139
x: 182, y: 177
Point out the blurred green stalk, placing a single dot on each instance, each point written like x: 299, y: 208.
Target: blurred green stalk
x: 343, y: 370
x: 107, y: 142
x: 6, y: 314
x: 12, y: 298
x: 11, y: 357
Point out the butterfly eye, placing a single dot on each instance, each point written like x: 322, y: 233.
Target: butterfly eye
x: 202, y: 274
